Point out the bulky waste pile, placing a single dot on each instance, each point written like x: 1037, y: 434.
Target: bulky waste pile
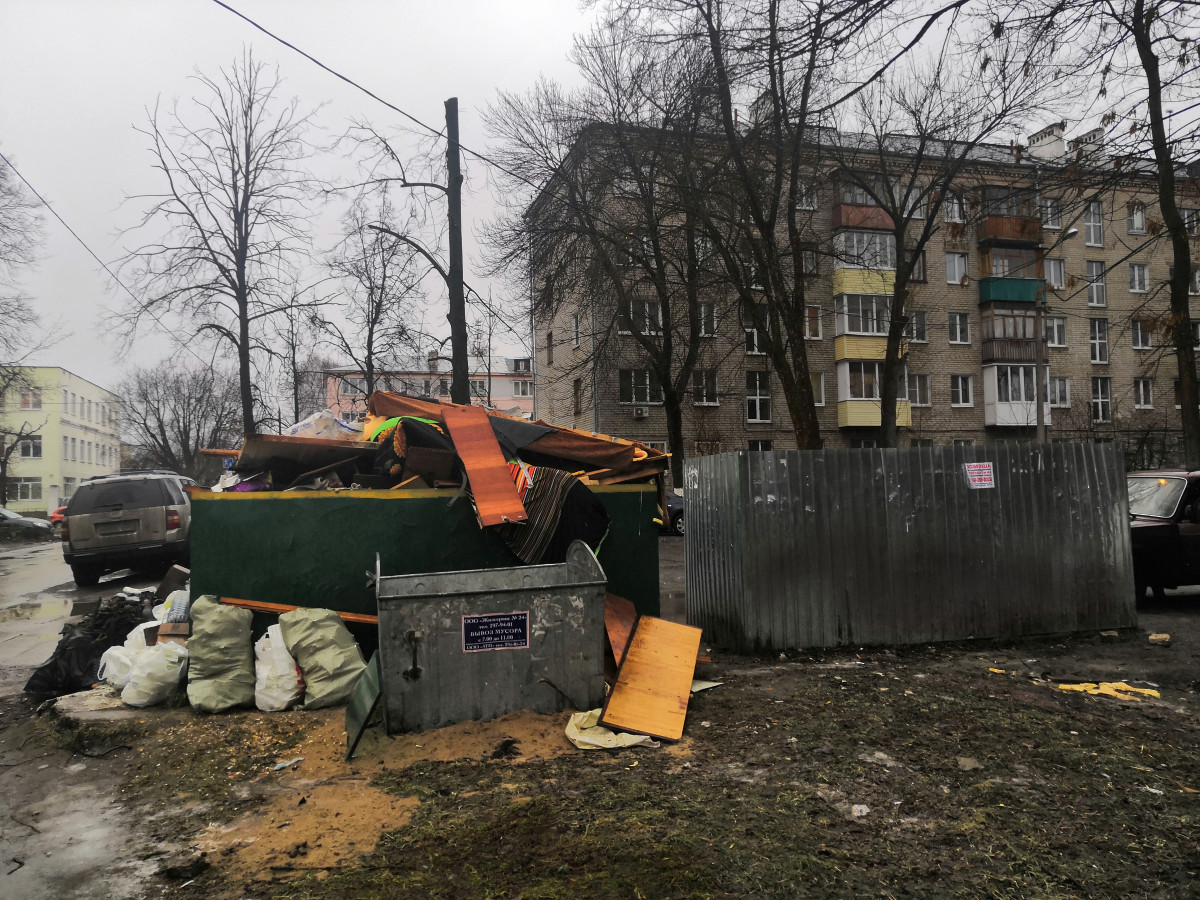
x: 528, y: 480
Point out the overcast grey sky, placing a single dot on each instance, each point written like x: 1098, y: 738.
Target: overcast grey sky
x: 76, y: 76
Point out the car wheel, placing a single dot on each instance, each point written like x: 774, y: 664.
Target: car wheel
x: 677, y: 523
x: 85, y: 576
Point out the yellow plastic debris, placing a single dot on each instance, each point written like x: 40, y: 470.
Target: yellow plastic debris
x: 1118, y: 689
x: 997, y: 671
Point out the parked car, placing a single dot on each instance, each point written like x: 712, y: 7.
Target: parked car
x: 673, y: 520
x: 1164, y: 511
x: 130, y: 520
x: 56, y: 517
x: 29, y: 526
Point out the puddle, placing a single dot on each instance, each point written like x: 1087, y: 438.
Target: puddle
x: 50, y: 608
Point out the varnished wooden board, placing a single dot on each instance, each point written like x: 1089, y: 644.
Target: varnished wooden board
x: 496, y: 498
x: 655, y: 679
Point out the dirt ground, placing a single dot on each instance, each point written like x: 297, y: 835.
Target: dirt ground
x: 944, y: 771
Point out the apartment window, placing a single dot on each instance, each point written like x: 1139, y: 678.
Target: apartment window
x: 918, y: 269
x: 1141, y: 334
x: 1051, y: 212
x: 1194, y: 280
x: 575, y: 327
x: 915, y: 329
x: 549, y: 348
x: 1058, y: 392
x: 522, y: 388
x: 1097, y: 291
x: 863, y: 443
x: 74, y: 451
x: 920, y: 442
x: 866, y: 249
x: 808, y: 261
x: 522, y: 364
x: 956, y: 268
x: 639, y: 386
x: 66, y: 402
x: 1136, y: 223
x: 918, y: 390
x: 443, y: 387
x: 806, y: 195
x: 708, y: 320
x: 963, y: 442
x: 1009, y: 324
x: 856, y: 193
x: 1098, y: 339
x: 960, y: 328
x: 759, y: 446
x: 1191, y: 220
x: 865, y: 378
x: 960, y: 391
x: 1014, y: 384
x: 27, y: 489
x: 478, y: 387
x: 1003, y: 200
x: 817, y: 379
x: 812, y: 323
x: 74, y: 404
x: 89, y: 410
x: 953, y: 210
x: 1093, y: 225
x: 1056, y: 273
x: 31, y: 400
x: 704, y: 387
x: 91, y: 456
x: 1143, y: 393
x: 756, y: 326
x: 1101, y: 399
x: 862, y: 313
x: 30, y: 447
x: 1056, y: 331
x: 1138, y: 281
x: 758, y: 397
x: 914, y: 203
x: 640, y: 317
x: 68, y: 488
x: 66, y: 448
x: 577, y: 395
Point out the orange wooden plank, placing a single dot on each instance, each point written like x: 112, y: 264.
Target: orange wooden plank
x: 654, y: 683
x: 263, y: 606
x: 619, y: 618
x: 496, y: 498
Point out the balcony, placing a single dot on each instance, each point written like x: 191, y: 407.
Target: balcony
x: 1010, y: 290
x: 868, y: 414
x: 1010, y: 413
x: 1009, y: 350
x: 863, y: 346
x: 863, y: 281
x: 848, y: 215
x: 1010, y: 230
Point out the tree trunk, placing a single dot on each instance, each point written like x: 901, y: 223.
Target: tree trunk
x: 674, y: 410
x: 893, y: 368
x: 1185, y: 348
x: 249, y: 425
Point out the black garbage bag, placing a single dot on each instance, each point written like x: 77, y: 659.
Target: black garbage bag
x: 76, y: 660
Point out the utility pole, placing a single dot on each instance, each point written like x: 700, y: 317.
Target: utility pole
x: 460, y: 385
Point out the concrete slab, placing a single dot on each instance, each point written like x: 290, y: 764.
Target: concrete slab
x: 99, y: 705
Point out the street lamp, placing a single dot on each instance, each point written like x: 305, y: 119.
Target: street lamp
x: 1042, y: 377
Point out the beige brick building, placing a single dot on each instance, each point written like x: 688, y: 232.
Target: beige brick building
x: 1016, y: 237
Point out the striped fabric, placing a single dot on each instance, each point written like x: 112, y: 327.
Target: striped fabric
x: 545, y: 491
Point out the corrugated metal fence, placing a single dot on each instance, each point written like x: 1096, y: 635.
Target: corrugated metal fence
x: 851, y: 547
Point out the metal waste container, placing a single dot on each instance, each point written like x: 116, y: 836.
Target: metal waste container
x: 476, y: 644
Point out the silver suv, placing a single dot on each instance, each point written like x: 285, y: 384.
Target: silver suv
x: 131, y: 520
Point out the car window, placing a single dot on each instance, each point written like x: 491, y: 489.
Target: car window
x: 1155, y: 495
x: 113, y: 495
x: 8, y: 513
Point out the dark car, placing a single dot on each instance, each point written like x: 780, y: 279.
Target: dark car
x: 27, y: 526
x: 134, y: 520
x: 672, y: 522
x: 1164, y: 509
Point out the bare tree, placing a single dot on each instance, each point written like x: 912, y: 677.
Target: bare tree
x: 614, y: 231
x: 232, y: 212
x: 380, y: 276
x: 172, y: 412
x: 1126, y: 63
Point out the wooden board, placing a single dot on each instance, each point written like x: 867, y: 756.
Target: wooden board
x: 306, y: 453
x: 496, y: 498
x: 655, y: 679
x: 619, y: 618
x: 261, y: 606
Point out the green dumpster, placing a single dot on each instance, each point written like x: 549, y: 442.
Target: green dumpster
x: 315, y: 548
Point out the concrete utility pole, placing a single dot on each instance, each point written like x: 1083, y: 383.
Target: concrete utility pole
x: 460, y: 384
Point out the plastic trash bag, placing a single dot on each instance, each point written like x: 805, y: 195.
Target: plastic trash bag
x: 221, y: 670
x: 116, y: 665
x: 326, y: 652
x: 277, y: 684
x: 156, y: 674
x: 73, y: 665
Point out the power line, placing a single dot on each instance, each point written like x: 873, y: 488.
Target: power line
x: 46, y: 203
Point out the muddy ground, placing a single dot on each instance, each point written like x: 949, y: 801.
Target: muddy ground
x: 948, y: 771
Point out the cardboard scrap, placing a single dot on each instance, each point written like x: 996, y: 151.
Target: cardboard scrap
x: 654, y: 682
x: 585, y: 732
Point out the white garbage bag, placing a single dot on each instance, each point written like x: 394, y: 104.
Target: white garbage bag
x: 157, y: 672
x: 277, y: 683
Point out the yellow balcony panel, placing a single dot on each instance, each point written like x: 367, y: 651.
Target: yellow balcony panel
x: 863, y: 281
x: 866, y: 414
x: 863, y: 346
